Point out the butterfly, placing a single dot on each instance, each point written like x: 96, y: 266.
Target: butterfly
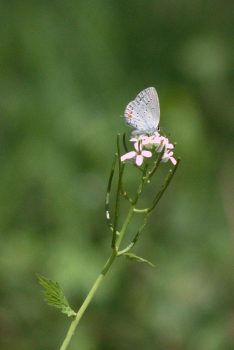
x: 143, y: 113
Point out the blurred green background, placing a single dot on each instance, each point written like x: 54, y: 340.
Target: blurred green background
x: 67, y: 71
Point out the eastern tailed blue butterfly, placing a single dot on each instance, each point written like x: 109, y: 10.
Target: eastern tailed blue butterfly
x: 143, y: 113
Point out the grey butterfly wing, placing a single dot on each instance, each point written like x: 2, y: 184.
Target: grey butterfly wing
x: 143, y: 113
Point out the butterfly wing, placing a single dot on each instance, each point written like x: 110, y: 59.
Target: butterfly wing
x: 143, y: 113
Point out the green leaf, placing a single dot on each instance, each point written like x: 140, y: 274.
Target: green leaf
x: 138, y: 259
x: 54, y: 295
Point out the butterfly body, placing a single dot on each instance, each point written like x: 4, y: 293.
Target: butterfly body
x: 143, y: 113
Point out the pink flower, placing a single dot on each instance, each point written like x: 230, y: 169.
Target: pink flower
x: 165, y: 143
x: 138, y: 154
x: 168, y: 155
x: 155, y: 141
x: 148, y: 141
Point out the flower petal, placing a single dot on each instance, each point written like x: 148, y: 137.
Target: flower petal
x: 133, y: 139
x: 170, y: 146
x: 139, y: 159
x: 173, y: 160
x: 168, y: 155
x: 127, y: 156
x: 146, y: 154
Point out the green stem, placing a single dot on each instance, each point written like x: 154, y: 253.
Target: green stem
x: 124, y: 227
x: 87, y: 301
x: 118, y: 192
x: 169, y: 177
x: 97, y: 283
x: 107, y: 202
x: 156, y: 164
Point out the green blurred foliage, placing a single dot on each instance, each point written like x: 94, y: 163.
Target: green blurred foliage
x: 67, y: 71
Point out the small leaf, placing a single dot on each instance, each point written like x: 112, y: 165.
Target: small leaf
x: 54, y: 295
x: 138, y: 259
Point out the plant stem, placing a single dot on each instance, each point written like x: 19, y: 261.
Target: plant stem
x: 96, y: 284
x: 124, y: 227
x: 87, y: 301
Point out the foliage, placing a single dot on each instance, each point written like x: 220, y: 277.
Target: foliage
x: 137, y: 258
x: 54, y: 295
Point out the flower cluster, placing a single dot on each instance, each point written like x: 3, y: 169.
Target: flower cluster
x: 145, y: 146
